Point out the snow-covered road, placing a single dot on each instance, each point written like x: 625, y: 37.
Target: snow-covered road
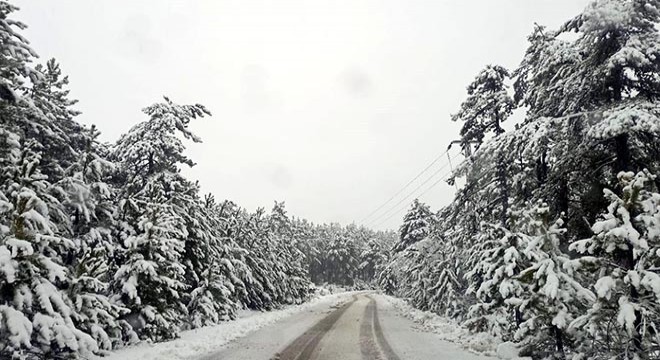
x: 364, y: 327
x: 348, y: 325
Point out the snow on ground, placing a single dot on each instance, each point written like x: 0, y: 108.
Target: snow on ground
x: 413, y: 342
x: 446, y: 329
x: 202, y: 341
x: 345, y: 339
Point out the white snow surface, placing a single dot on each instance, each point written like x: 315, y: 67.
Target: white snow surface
x: 446, y: 329
x: 342, y: 342
x: 419, y: 335
x: 412, y: 333
x: 508, y: 350
x: 206, y: 340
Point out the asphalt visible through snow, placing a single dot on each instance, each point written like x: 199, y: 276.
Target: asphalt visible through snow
x: 362, y: 328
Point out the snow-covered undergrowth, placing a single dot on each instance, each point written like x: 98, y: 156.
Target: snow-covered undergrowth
x: 329, y: 289
x: 208, y: 339
x: 446, y: 329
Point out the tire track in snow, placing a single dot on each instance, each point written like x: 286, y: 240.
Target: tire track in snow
x: 373, y: 344
x: 303, y: 347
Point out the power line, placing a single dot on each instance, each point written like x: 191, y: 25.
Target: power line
x: 420, y: 194
x: 414, y: 190
x: 575, y: 115
x: 409, y: 194
x: 405, y: 186
x: 405, y: 205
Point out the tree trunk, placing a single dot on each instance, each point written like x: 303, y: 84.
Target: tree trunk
x: 622, y: 150
x: 624, y: 163
x: 518, y: 316
x: 559, y: 341
x: 501, y: 173
x: 563, y: 197
x: 542, y: 169
x: 629, y: 264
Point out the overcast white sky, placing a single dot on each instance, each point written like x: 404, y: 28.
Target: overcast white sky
x: 330, y: 105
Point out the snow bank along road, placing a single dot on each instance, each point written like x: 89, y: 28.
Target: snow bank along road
x: 365, y: 327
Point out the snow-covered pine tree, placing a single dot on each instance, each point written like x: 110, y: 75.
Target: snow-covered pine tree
x: 448, y: 284
x: 266, y: 283
x: 308, y: 244
x: 211, y: 267
x: 153, y: 203
x: 624, y: 320
x: 278, y: 221
x: 451, y: 245
x: 387, y: 279
x: 289, y: 260
x: 266, y: 250
x: 371, y: 258
x: 36, y: 315
x: 417, y: 274
x: 486, y: 196
x: 15, y: 56
x: 499, y: 260
x: 496, y: 181
x: 90, y: 202
x: 605, y: 77
x: 447, y: 291
x: 249, y: 234
x: 602, y: 84
x: 611, y: 60
x: 324, y: 235
x: 416, y: 225
x: 553, y: 295
x: 67, y: 137
x: 342, y: 260
x: 488, y: 104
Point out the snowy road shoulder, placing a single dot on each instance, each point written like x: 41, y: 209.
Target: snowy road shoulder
x: 420, y: 335
x: 454, y: 337
x: 207, y: 340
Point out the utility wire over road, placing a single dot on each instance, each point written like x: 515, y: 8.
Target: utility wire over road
x: 398, y: 210
x: 435, y: 160
x: 392, y: 210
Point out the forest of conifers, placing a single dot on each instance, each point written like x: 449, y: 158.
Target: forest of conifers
x: 103, y: 245
x: 552, y: 240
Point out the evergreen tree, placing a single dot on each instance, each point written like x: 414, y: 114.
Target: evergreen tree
x: 488, y: 104
x: 90, y: 200
x: 416, y: 225
x: 554, y: 295
x: 248, y: 231
x: 611, y: 60
x: 211, y: 262
x: 371, y: 259
x: 387, y: 279
x: 154, y: 203
x: 37, y: 315
x: 342, y: 260
x: 623, y: 321
x: 493, y: 280
x: 289, y: 259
